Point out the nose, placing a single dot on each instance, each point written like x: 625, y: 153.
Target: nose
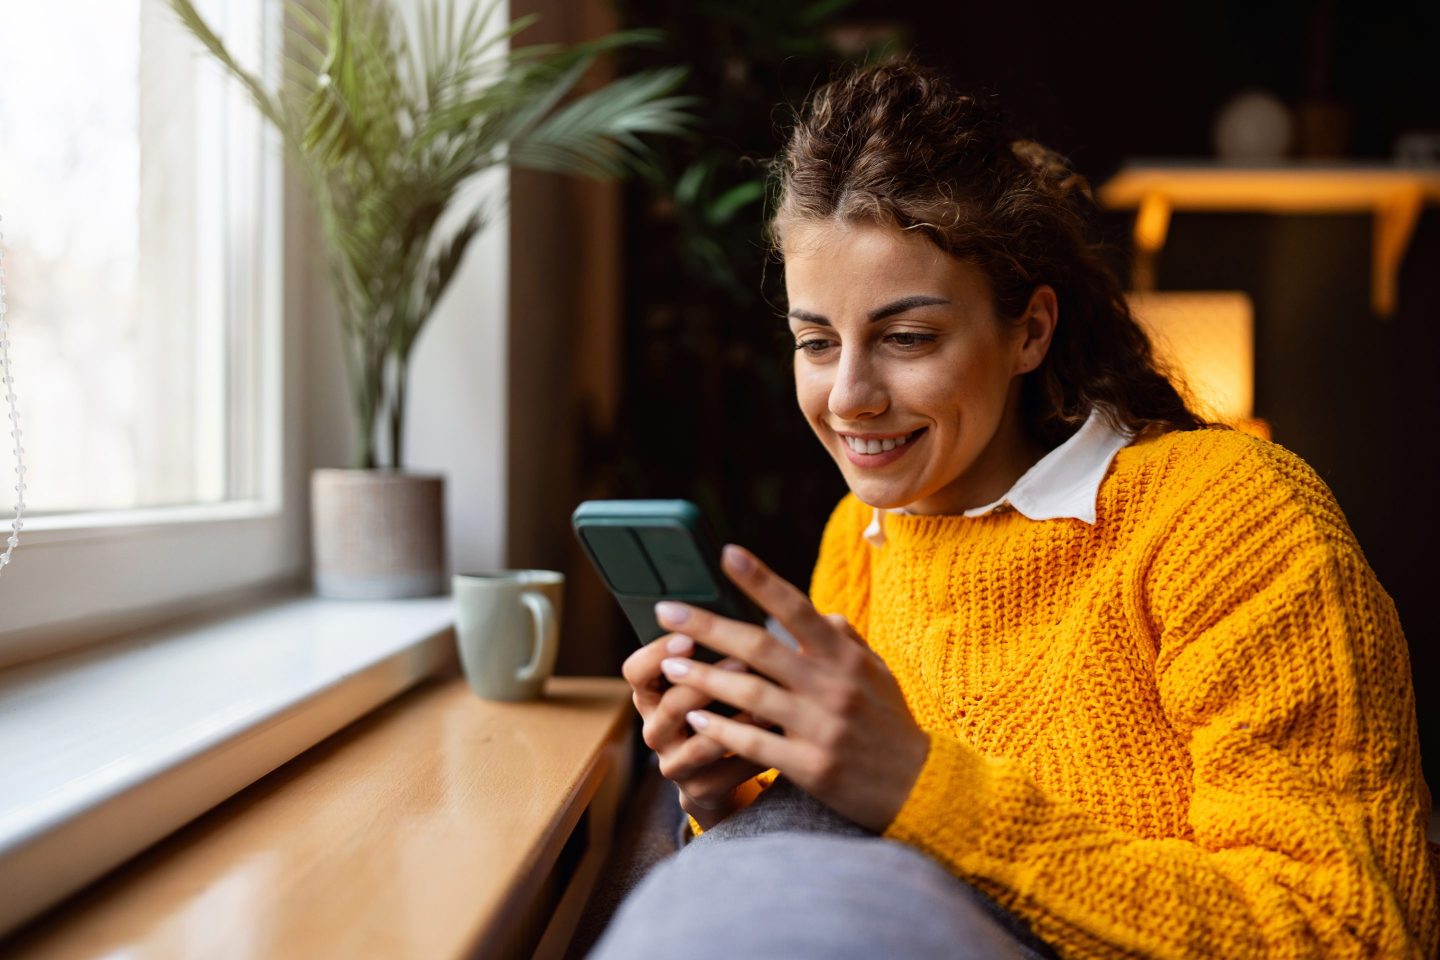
x: 858, y: 391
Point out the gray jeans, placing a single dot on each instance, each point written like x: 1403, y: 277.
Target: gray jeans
x: 789, y: 877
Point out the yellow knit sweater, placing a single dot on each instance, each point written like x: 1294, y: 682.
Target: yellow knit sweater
x: 1186, y: 731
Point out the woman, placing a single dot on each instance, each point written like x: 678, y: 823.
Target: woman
x: 1079, y: 673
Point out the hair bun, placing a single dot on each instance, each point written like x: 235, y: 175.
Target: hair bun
x: 1052, y: 169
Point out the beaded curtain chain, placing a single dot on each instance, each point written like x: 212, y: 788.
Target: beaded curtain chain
x: 9, y: 384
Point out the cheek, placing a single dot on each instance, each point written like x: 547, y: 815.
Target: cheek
x: 960, y: 386
x: 812, y: 392
x: 940, y: 391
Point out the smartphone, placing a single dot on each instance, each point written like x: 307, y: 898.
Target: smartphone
x: 651, y: 550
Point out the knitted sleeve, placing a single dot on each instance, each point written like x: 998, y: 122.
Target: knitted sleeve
x: 1282, y: 662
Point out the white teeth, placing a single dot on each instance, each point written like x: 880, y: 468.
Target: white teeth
x: 875, y: 446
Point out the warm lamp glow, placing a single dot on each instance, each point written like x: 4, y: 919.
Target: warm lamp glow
x: 1209, y: 340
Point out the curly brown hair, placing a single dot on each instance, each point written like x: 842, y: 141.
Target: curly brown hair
x: 896, y: 144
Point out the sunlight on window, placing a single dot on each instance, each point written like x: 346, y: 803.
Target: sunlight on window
x: 118, y: 338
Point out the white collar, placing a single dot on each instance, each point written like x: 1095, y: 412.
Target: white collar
x: 1063, y: 483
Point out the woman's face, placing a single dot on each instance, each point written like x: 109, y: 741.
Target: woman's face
x: 902, y: 368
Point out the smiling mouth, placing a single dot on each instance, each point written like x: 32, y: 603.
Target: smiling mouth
x: 872, y: 447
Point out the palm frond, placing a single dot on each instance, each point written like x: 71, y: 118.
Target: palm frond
x: 445, y: 262
x: 390, y: 124
x: 596, y: 135
x: 197, y: 26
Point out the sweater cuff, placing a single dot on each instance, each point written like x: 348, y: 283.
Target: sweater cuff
x: 946, y: 807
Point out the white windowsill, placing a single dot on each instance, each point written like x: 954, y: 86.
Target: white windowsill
x: 106, y: 751
x: 60, y: 527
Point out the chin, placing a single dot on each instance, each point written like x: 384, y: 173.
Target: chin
x: 884, y: 494
x: 885, y: 499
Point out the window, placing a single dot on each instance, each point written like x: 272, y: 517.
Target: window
x: 142, y: 205
x: 130, y: 185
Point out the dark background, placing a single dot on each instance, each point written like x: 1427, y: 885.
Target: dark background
x: 706, y: 407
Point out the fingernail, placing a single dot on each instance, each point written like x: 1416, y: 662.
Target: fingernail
x: 674, y: 668
x: 679, y: 644
x: 697, y: 719
x: 672, y: 612
x: 738, y: 559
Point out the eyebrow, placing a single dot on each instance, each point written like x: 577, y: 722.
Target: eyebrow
x: 889, y: 310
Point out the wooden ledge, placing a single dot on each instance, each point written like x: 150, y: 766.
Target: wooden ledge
x: 439, y: 826
x: 1394, y: 194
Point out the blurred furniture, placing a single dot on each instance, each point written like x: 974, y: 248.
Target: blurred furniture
x: 438, y: 826
x: 1208, y: 337
x: 1394, y: 194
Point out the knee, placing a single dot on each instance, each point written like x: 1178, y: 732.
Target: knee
x: 801, y: 895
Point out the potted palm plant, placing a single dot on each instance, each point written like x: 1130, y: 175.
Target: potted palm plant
x: 389, y: 122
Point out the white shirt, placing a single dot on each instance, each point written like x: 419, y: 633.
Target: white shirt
x: 1063, y: 483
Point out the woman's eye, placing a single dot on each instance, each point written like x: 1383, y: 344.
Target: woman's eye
x: 813, y: 346
x: 910, y: 341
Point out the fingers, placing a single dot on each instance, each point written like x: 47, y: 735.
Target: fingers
x: 711, y: 782
x: 743, y: 641
x: 844, y: 626
x: 664, y: 713
x: 761, y: 747
x: 642, y: 668
x: 781, y: 599
x: 749, y: 692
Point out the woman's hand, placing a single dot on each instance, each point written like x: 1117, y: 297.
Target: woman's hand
x: 712, y: 785
x: 848, y: 738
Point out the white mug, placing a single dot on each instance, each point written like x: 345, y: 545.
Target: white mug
x: 507, y: 623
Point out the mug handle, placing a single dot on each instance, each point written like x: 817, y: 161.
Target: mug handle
x: 547, y: 640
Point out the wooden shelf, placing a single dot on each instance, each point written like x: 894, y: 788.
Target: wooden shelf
x: 1393, y: 194
x: 439, y: 826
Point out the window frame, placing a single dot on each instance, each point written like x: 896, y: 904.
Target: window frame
x: 76, y: 578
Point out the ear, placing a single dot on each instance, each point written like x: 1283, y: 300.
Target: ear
x: 1041, y: 315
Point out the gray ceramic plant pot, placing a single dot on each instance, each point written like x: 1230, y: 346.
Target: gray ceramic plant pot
x: 378, y: 534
